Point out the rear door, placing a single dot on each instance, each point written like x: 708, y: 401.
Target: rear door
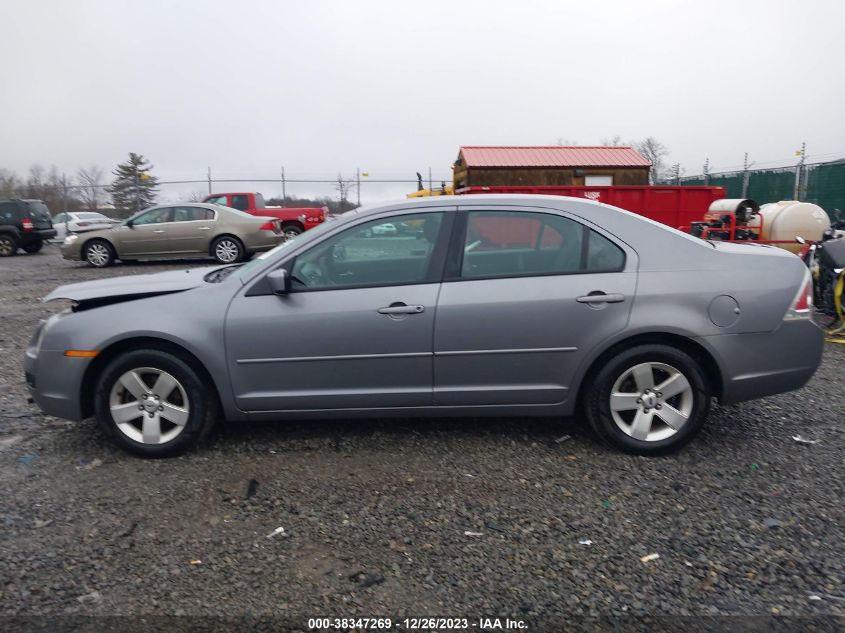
x: 528, y: 294
x: 191, y: 229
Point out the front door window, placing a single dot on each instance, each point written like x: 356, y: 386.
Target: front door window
x: 379, y: 253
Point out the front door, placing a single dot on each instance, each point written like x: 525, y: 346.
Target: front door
x: 148, y: 234
x: 356, y: 329
x: 527, y: 298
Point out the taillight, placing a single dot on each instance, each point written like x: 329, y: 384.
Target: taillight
x: 268, y: 226
x: 802, y: 305
x: 26, y: 223
x: 83, y: 224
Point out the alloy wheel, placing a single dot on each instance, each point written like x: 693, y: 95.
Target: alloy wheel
x: 7, y: 246
x: 651, y: 401
x: 226, y: 251
x: 97, y: 254
x: 149, y: 405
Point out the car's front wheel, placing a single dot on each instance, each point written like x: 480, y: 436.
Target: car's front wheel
x: 153, y: 403
x: 98, y: 253
x: 227, y: 250
x: 649, y: 399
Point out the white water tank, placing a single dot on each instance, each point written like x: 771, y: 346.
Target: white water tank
x: 784, y: 220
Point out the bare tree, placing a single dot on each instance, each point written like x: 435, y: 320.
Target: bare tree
x: 561, y: 141
x: 655, y: 152
x: 10, y: 185
x: 344, y: 186
x: 613, y: 141
x: 90, y: 186
x: 195, y: 196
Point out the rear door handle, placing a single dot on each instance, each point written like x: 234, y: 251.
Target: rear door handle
x: 601, y: 297
x: 205, y: 228
x: 159, y: 231
x: 401, y: 308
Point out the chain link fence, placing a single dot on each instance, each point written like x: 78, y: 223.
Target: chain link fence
x: 820, y: 183
x: 354, y: 189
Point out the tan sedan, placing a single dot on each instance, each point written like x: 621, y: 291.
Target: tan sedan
x: 177, y: 230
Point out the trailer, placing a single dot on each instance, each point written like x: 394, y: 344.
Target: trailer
x: 674, y: 206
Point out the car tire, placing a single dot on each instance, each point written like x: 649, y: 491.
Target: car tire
x: 153, y: 403
x: 98, y: 253
x: 8, y: 245
x: 291, y: 230
x: 227, y: 249
x: 648, y: 400
x: 33, y: 247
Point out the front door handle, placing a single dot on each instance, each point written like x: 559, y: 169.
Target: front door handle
x: 601, y: 297
x: 401, y: 308
x: 159, y: 231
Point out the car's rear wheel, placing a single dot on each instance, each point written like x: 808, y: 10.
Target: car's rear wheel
x: 153, y: 403
x: 227, y: 250
x: 33, y: 247
x: 649, y: 399
x: 290, y: 231
x: 8, y: 245
x: 98, y: 253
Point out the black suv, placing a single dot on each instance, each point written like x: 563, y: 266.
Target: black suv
x: 24, y: 224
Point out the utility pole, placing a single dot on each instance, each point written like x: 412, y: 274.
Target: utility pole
x: 284, y: 189
x: 64, y: 203
x: 745, y: 175
x: 799, y: 168
x: 429, y: 179
x: 706, y: 171
x: 209, y: 180
x: 358, y: 184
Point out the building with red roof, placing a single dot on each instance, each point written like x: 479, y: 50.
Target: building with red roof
x: 490, y: 166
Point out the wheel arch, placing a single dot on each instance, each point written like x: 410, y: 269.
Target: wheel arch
x: 295, y: 223
x: 112, y: 351
x: 708, y: 363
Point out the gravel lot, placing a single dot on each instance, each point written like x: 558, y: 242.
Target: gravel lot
x: 376, y: 513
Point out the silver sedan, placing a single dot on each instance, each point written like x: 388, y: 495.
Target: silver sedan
x: 494, y: 305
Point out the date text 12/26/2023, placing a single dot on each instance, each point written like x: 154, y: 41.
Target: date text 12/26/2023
x: 416, y: 624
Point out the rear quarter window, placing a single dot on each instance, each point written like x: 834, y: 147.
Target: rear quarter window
x: 603, y: 255
x: 9, y: 212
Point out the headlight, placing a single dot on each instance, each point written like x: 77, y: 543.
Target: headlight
x: 70, y: 239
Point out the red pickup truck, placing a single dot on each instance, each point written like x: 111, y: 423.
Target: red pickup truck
x: 294, y: 220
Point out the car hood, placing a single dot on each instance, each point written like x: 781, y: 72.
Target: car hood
x: 132, y: 286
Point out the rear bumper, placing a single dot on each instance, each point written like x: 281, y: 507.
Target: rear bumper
x: 760, y: 364
x: 37, y: 235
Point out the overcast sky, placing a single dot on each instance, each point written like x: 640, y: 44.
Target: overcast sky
x: 395, y: 87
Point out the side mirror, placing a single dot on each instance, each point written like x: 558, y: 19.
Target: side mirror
x: 800, y: 239
x: 130, y: 224
x: 279, y: 281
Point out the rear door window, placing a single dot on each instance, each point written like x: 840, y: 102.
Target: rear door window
x: 519, y: 243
